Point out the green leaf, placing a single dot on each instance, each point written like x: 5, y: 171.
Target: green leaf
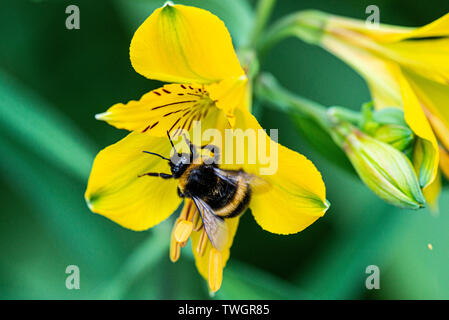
x: 394, y: 240
x: 29, y: 119
x: 242, y: 281
x: 320, y: 140
x: 58, y: 206
x: 145, y: 257
x: 419, y: 260
x: 309, y: 117
x: 50, y: 181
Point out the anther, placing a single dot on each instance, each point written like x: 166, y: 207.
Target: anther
x: 185, y: 210
x: 197, y: 221
x: 202, y: 243
x: 215, y: 270
x: 191, y: 212
x: 183, y: 230
x: 182, y: 244
x: 175, y: 248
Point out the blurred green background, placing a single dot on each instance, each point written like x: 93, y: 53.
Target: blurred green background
x: 52, y: 83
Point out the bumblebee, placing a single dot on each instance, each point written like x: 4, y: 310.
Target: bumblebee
x: 218, y: 194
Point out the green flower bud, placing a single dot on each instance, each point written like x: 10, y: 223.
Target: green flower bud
x: 389, y: 126
x: 396, y: 136
x: 383, y: 168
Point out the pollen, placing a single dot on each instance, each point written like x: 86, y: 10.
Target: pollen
x: 197, y: 221
x: 188, y: 221
x: 202, y: 243
x: 183, y: 230
x: 175, y: 248
x: 185, y: 210
x: 215, y: 270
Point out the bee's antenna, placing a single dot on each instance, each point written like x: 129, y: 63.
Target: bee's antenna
x: 169, y: 138
x: 156, y: 155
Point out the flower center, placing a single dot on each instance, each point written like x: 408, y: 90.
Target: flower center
x: 195, y: 106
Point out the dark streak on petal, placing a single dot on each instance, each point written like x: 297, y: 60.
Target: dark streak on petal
x: 148, y: 127
x: 174, y: 124
x: 176, y: 111
x: 173, y: 103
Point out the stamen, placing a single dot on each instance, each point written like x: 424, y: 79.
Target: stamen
x: 191, y: 213
x: 183, y: 230
x: 175, y: 248
x: 215, y: 276
x: 197, y: 221
x: 202, y: 243
x: 185, y: 210
x: 183, y: 244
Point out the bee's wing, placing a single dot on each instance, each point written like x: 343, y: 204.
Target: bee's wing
x: 215, y: 226
x: 258, y: 184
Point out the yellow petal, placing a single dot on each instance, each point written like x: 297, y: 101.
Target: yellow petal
x: 378, y: 73
x: 391, y: 33
x: 437, y: 28
x: 432, y: 193
x: 444, y: 162
x: 170, y: 108
x: 115, y: 190
x: 202, y: 260
x: 184, y: 44
x: 230, y: 94
x: 417, y: 121
x: 429, y: 57
x: 296, y: 196
x: 337, y: 24
x: 434, y: 99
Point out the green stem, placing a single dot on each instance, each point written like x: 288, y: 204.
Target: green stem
x: 267, y: 88
x: 263, y: 13
x: 145, y: 257
x: 344, y: 114
x: 307, y: 25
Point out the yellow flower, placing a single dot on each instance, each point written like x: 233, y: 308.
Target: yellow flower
x: 404, y: 67
x: 192, y: 47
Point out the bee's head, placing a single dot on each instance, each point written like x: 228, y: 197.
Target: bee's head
x: 179, y: 163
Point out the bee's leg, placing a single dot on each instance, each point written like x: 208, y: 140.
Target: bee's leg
x: 156, y: 174
x: 214, y: 149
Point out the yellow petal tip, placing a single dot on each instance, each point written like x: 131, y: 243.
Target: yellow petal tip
x: 102, y: 116
x: 327, y: 205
